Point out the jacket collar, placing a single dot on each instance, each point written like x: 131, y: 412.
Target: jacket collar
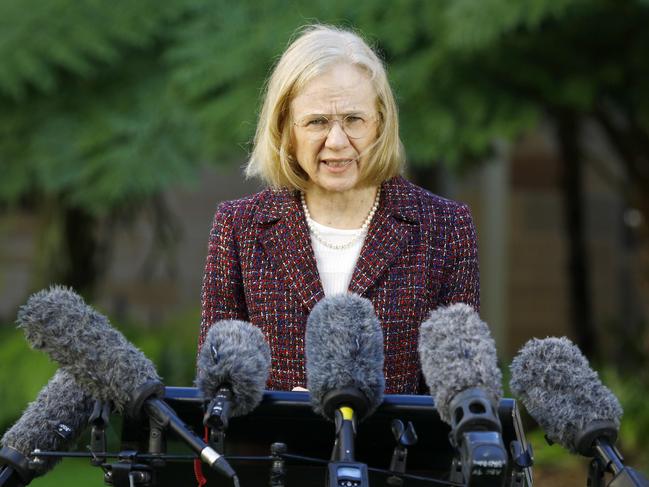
x: 397, y: 199
x: 285, y: 237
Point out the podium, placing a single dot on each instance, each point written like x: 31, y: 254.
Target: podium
x: 287, y: 417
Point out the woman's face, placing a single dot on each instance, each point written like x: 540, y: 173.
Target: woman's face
x: 333, y: 159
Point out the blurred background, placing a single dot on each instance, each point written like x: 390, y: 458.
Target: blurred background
x: 123, y: 124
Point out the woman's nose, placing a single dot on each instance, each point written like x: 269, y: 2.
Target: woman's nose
x: 336, y: 138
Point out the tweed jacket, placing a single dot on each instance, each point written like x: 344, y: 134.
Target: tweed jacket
x: 420, y: 252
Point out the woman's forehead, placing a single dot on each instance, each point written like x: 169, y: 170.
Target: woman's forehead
x: 341, y: 89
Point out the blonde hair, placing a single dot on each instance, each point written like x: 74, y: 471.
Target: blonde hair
x: 316, y: 48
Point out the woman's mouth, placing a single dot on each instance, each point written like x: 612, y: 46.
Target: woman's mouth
x: 338, y: 163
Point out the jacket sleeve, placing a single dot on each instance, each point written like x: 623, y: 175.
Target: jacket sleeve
x: 222, y: 295
x: 462, y: 278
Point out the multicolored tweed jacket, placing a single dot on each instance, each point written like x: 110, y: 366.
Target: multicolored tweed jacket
x: 420, y: 253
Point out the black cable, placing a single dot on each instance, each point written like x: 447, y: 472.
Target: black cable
x: 234, y: 458
x: 289, y: 456
x: 138, y: 456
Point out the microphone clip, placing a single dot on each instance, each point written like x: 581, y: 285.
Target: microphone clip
x: 476, y: 436
x: 99, y: 420
x: 405, y: 437
x: 128, y: 473
x: 218, y: 410
x: 217, y: 417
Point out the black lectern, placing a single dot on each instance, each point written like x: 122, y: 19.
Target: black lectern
x: 287, y: 417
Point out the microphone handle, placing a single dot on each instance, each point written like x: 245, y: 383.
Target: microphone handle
x: 14, y: 468
x: 345, y: 433
x: 9, y: 477
x: 611, y: 460
x: 162, y: 412
x: 343, y: 469
x: 219, y: 409
x: 629, y: 477
x: 608, y: 455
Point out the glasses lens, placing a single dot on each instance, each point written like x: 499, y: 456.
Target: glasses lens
x: 355, y: 126
x: 316, y: 126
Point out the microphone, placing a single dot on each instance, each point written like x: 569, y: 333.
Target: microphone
x: 52, y: 422
x: 459, y: 363
x: 104, y: 363
x: 567, y: 399
x: 344, y: 372
x: 233, y: 368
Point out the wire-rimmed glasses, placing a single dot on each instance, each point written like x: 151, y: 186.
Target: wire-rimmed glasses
x: 318, y: 126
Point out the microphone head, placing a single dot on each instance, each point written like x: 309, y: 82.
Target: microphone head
x: 80, y: 339
x: 457, y: 353
x: 563, y: 394
x: 52, y: 422
x: 344, y: 351
x: 234, y: 354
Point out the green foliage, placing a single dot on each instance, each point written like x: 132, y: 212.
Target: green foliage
x: 479, y: 25
x: 72, y: 472
x: 632, y: 391
x: 42, y: 42
x: 22, y: 374
x: 172, y: 346
x: 554, y: 456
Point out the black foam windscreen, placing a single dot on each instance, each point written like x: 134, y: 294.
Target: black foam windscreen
x: 344, y: 350
x: 457, y: 353
x: 562, y: 393
x: 234, y: 354
x: 52, y: 422
x: 80, y: 339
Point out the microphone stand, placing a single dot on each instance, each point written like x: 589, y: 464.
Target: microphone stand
x: 14, y: 468
x: 277, y: 475
x: 608, y: 459
x: 597, y: 440
x: 147, y: 399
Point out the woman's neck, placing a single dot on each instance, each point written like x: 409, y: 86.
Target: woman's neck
x: 345, y: 210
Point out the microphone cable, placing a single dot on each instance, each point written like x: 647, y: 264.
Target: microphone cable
x: 244, y: 458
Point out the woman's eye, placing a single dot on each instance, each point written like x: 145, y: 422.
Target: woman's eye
x: 353, y: 119
x: 317, y: 121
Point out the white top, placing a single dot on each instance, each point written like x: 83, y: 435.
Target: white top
x: 336, y: 266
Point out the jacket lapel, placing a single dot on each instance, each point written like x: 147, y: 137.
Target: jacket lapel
x: 388, y: 234
x: 285, y: 238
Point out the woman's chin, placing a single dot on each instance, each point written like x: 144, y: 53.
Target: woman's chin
x: 336, y: 187
x: 337, y: 181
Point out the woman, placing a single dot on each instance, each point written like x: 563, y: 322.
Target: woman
x: 337, y: 216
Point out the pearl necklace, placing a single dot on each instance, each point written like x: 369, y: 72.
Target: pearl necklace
x: 361, y: 231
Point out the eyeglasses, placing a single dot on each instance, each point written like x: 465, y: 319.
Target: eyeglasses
x: 355, y: 125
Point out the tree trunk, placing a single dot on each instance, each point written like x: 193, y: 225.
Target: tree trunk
x: 72, y: 251
x: 567, y: 126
